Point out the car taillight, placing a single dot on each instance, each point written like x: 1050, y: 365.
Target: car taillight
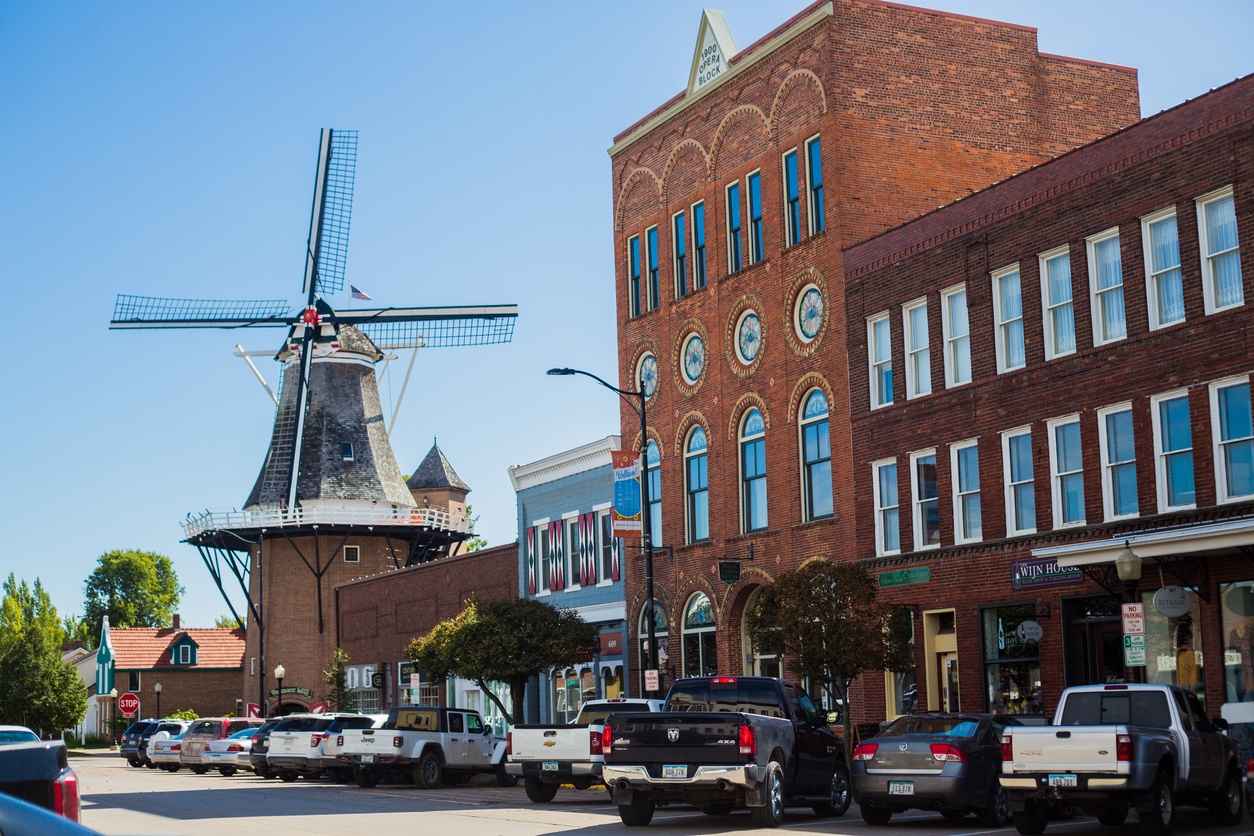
x: 509, y: 743
x: 397, y: 742
x: 339, y: 741
x: 865, y: 751
x: 723, y: 680
x: 65, y: 796
x: 747, y: 739
x: 1249, y: 769
x: 1007, y: 751
x: 607, y: 741
x: 594, y: 741
x: 948, y: 753
x: 177, y: 747
x: 235, y: 747
x: 316, y: 739
x: 1123, y: 747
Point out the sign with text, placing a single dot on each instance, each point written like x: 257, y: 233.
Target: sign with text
x: 612, y: 643
x: 1134, y: 619
x: 128, y: 704
x: 905, y: 577
x: 628, y: 514
x: 651, y: 681
x: 1134, y: 655
x: 729, y: 571
x: 1042, y: 572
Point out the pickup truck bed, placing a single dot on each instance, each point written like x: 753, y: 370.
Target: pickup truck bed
x: 40, y: 774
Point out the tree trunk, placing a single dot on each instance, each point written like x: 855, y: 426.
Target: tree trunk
x: 492, y: 696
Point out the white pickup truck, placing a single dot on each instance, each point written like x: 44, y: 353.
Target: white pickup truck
x: 546, y: 757
x: 1113, y: 748
x: 426, y: 744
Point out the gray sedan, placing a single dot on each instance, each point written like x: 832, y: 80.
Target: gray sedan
x: 943, y: 762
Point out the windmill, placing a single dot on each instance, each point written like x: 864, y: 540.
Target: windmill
x: 304, y: 493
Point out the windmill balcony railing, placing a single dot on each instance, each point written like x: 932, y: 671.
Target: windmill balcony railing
x: 431, y: 518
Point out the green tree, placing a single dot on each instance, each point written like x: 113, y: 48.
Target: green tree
x: 133, y: 588
x: 474, y: 543
x: 185, y: 714
x: 230, y: 622
x: 340, y: 697
x: 78, y: 630
x: 824, y: 617
x: 37, y: 689
x: 504, y: 641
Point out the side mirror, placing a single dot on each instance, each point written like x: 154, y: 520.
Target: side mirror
x: 1220, y: 724
x: 487, y: 730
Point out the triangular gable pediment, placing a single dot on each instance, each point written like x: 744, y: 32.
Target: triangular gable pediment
x: 184, y: 638
x: 715, y: 49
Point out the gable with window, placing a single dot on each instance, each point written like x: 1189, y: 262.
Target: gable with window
x: 183, y: 651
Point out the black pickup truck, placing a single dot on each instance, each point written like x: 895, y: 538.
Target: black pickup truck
x: 40, y: 773
x: 724, y: 742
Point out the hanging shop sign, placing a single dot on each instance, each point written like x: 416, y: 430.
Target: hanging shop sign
x: 905, y: 577
x: 1173, y: 601
x: 290, y: 690
x: 729, y: 571
x: 1042, y: 572
x: 627, y: 515
x: 1029, y: 631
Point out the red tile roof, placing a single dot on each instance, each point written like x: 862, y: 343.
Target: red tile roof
x: 148, y: 648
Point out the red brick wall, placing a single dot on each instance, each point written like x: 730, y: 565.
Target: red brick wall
x: 210, y: 693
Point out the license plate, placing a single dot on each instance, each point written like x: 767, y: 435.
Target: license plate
x: 1062, y: 780
x: 901, y: 787
x: 367, y: 758
x: 548, y: 766
x: 674, y: 771
x: 214, y: 758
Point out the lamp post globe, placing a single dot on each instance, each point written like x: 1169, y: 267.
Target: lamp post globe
x: 279, y: 673
x: 156, y: 688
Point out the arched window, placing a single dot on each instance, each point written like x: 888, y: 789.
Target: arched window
x: 660, y: 632
x: 753, y: 471
x: 653, y: 460
x: 700, y: 641
x: 816, y: 457
x: 698, y: 485
x: 756, y: 664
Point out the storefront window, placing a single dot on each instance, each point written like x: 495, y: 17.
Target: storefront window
x: 1238, y: 627
x: 903, y: 693
x: 700, y: 658
x: 566, y: 696
x: 1012, y: 664
x: 1174, y: 647
x: 612, y: 682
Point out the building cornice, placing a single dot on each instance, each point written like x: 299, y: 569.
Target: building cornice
x: 560, y: 465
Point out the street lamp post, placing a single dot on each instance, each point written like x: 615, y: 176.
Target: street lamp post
x: 279, y: 673
x: 1128, y: 567
x: 157, y: 690
x: 646, y: 526
x: 113, y: 714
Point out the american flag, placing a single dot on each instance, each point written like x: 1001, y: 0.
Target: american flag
x: 359, y: 294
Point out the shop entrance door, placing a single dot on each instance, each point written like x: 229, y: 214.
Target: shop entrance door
x: 947, y: 675
x: 1100, y: 646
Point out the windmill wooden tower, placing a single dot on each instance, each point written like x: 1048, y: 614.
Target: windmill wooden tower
x: 330, y: 503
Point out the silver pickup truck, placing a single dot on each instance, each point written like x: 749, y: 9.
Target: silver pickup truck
x: 1113, y: 748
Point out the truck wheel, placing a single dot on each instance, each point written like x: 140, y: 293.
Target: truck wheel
x: 1114, y: 815
x: 1157, y: 822
x: 838, y: 805
x: 365, y: 778
x: 340, y: 775
x: 266, y: 772
x: 135, y: 762
x: 429, y: 771
x: 1032, y: 821
x: 639, y: 812
x: 771, y: 814
x: 503, y: 778
x: 226, y: 771
x: 1225, y: 804
x: 542, y: 793
x: 875, y: 815
x: 997, y: 813
x: 199, y: 770
x: 287, y: 776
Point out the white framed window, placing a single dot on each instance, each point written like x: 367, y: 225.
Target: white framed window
x: 816, y: 457
x: 1118, y: 450
x: 918, y: 355
x: 352, y: 554
x: 957, y: 332
x: 1066, y: 471
x: 1164, y: 287
x: 1008, y: 319
x: 964, y: 465
x: 697, y: 485
x: 926, y: 500
x: 185, y: 655
x: 814, y: 184
x: 607, y: 545
x: 570, y: 554
x: 887, y: 524
x: 879, y: 338
x: 1222, y: 286
x: 1233, y: 433
x: 544, y: 557
x: 1016, y: 449
x: 1106, y: 287
x: 1173, y: 450
x: 1056, y: 298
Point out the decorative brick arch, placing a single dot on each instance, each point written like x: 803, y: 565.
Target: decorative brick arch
x: 684, y: 147
x: 720, y: 136
x: 805, y: 385
x: 737, y: 596
x: 791, y: 81
x: 631, y: 182
x: 692, y: 419
x: 746, y: 402
x: 685, y: 589
x: 655, y: 437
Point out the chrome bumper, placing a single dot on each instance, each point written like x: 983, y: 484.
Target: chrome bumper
x: 743, y: 776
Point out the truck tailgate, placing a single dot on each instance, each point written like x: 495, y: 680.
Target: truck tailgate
x: 290, y: 743
x: 546, y: 743
x: 674, y: 738
x: 1064, y: 749
x: 369, y: 742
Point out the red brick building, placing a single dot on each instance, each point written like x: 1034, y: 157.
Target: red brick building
x: 732, y: 203
x: 1074, y: 342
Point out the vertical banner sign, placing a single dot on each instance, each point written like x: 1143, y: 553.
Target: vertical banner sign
x: 627, y: 507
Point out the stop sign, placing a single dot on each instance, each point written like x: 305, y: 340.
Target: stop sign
x: 128, y: 704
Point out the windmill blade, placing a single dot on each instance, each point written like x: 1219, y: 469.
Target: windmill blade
x: 332, y: 213
x: 394, y: 328
x: 155, y: 312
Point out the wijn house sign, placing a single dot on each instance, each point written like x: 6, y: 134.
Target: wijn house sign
x: 1042, y: 572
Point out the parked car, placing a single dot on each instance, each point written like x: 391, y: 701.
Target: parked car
x: 17, y: 734
x: 202, y: 731
x: 164, y: 751
x: 261, y: 747
x: 296, y: 744
x: 944, y: 762
x: 132, y: 740
x: 332, y: 744
x: 433, y: 745
x: 161, y: 730
x: 39, y: 773
x: 230, y: 754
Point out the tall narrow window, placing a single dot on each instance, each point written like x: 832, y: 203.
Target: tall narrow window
x: 754, y: 184
x: 792, y: 199
x: 1119, y: 494
x: 918, y: 354
x: 700, y: 637
x: 733, y: 228
x: 753, y: 471
x: 957, y: 336
x: 814, y: 182
x: 698, y: 483
x: 570, y: 555
x: 1020, y: 490
x: 1221, y: 255
x: 816, y: 452
x: 1059, y: 310
x: 1106, y: 279
x: 650, y: 235
x: 680, y: 244
x: 964, y: 463
x: 698, y: 246
x: 654, y: 459
x: 545, y: 556
x: 1234, y: 439
x: 606, y: 546
x: 1164, y: 287
x: 1008, y: 307
x: 887, y: 527
x: 633, y: 273
x: 1068, y: 471
x: 879, y: 336
x: 926, y: 500
x: 1173, y: 443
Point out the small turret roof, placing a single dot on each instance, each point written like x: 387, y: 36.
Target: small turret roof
x: 436, y: 472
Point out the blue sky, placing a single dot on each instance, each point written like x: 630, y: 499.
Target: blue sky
x: 168, y: 149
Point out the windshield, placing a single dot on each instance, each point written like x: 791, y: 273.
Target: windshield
x: 1099, y: 708
x: 731, y: 694
x: 299, y: 724
x: 351, y: 723
x: 931, y: 726
x: 598, y: 713
x: 17, y: 736
x: 170, y: 728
